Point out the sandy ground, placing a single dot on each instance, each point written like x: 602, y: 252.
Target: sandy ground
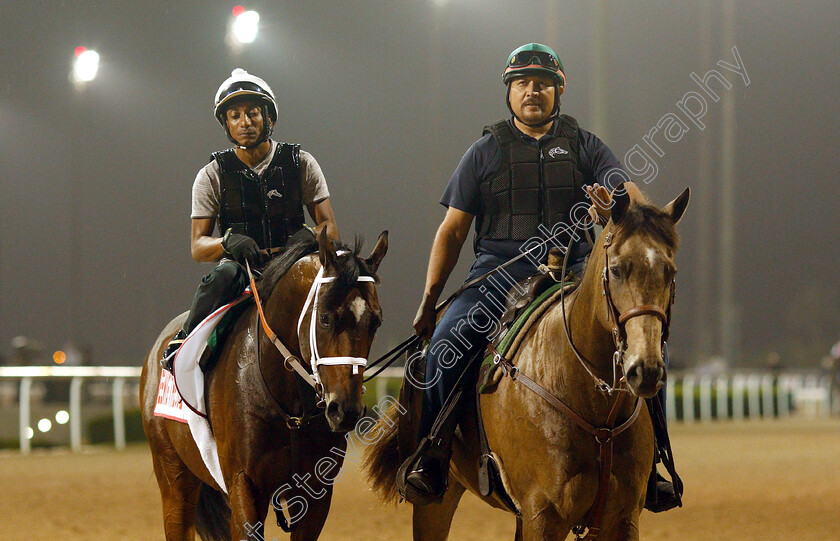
x: 754, y: 481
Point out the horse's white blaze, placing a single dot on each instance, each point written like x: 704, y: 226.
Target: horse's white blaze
x: 358, y: 308
x: 651, y: 255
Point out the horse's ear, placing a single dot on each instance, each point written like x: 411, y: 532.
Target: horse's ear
x: 621, y: 201
x: 677, y: 207
x: 326, y: 251
x: 378, y: 252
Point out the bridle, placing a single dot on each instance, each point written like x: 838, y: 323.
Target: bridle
x: 618, y: 321
x: 315, y: 359
x: 290, y: 361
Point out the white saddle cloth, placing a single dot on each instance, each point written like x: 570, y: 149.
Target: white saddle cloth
x: 189, y: 381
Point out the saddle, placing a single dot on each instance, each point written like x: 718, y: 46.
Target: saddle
x: 528, y: 294
x: 526, y: 291
x: 521, y: 320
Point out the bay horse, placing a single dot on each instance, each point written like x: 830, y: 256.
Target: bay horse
x: 256, y: 406
x: 548, y: 461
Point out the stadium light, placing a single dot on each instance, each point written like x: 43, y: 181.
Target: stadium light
x: 61, y: 417
x: 44, y: 425
x: 246, y: 24
x: 29, y: 433
x: 85, y: 66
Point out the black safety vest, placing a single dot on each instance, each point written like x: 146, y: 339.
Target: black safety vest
x: 534, y: 184
x: 268, y: 208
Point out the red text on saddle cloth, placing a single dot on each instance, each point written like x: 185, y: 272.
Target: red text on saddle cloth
x: 169, y: 403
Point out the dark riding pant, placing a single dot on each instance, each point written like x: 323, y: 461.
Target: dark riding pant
x: 222, y: 285
x: 470, y: 322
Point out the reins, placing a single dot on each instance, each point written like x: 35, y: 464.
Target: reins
x: 618, y: 320
x: 289, y: 360
x: 292, y: 363
x: 394, y: 354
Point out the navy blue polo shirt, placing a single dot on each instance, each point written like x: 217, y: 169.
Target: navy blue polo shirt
x: 484, y: 158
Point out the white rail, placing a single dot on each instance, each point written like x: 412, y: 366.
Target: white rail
x: 753, y: 395
x: 77, y: 375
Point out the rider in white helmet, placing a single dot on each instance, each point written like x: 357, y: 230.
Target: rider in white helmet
x: 255, y: 192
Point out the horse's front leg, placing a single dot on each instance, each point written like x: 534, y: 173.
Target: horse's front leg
x: 247, y: 509
x: 432, y: 522
x: 311, y: 523
x: 624, y: 528
x: 541, y: 525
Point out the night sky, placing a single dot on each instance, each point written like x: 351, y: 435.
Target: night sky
x: 95, y: 183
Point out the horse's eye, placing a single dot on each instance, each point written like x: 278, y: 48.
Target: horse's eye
x: 615, y: 272
x: 324, y: 319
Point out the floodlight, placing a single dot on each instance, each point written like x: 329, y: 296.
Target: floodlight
x: 245, y: 26
x: 86, y: 65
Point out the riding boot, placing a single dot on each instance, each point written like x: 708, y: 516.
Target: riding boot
x: 428, y: 476
x: 662, y: 494
x: 169, y: 352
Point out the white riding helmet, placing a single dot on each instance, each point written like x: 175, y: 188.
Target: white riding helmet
x: 242, y: 83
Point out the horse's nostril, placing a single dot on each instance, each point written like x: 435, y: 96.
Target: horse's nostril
x: 634, y: 373
x: 333, y: 409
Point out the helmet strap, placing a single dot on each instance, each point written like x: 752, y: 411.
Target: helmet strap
x: 268, y: 128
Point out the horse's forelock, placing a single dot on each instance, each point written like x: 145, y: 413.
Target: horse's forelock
x: 349, y: 267
x: 648, y: 220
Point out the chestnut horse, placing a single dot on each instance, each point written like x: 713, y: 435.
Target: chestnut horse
x: 252, y: 396
x: 548, y: 460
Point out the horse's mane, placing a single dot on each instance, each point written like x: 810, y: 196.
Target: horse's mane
x: 349, y: 267
x: 648, y: 220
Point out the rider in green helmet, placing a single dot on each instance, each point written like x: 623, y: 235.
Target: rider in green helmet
x: 535, y: 59
x: 527, y: 174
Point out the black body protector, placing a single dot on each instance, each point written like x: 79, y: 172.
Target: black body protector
x: 269, y: 208
x: 535, y: 185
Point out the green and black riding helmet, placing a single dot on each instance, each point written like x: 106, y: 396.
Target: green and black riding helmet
x: 535, y: 59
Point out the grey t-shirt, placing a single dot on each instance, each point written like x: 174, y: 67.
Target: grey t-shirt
x: 206, y: 193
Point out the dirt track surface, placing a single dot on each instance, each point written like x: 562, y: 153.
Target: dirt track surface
x: 753, y: 481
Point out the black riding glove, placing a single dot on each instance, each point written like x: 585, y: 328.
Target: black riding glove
x: 242, y: 248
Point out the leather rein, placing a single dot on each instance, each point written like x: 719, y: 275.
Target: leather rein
x: 604, y: 435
